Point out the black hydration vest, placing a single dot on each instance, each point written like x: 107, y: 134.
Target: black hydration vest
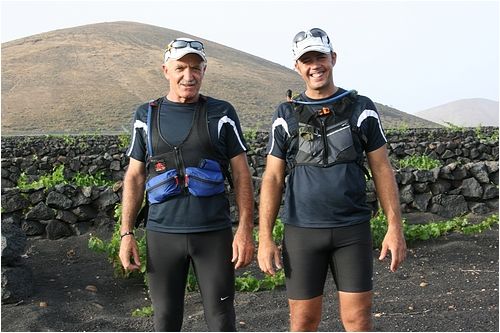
x: 325, y: 135
x: 191, y: 167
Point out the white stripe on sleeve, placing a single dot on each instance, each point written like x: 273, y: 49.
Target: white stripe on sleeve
x: 137, y: 125
x: 227, y: 120
x: 371, y: 113
x: 278, y: 122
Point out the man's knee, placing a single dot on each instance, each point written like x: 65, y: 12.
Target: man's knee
x: 305, y: 315
x: 305, y: 322
x: 357, y: 321
x: 357, y: 318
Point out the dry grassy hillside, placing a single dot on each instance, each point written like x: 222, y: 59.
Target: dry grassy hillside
x: 91, y: 78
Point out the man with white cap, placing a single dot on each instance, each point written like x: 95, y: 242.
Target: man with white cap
x: 181, y: 150
x: 320, y: 138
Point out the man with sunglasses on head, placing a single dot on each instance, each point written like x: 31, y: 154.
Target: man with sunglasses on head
x: 320, y: 138
x: 181, y: 150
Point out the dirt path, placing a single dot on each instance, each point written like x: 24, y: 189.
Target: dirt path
x: 448, y: 284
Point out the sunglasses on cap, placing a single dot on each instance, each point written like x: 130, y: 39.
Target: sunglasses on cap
x: 315, y: 32
x: 180, y: 44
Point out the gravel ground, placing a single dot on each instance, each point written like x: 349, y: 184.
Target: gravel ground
x: 447, y: 284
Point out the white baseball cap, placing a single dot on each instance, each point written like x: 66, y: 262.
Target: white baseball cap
x: 179, y: 47
x: 311, y: 40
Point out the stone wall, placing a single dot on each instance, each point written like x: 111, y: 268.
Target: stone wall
x: 467, y: 181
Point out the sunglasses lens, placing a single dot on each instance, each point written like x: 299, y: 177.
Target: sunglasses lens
x: 179, y: 44
x: 196, y: 45
x: 316, y: 32
x: 299, y: 37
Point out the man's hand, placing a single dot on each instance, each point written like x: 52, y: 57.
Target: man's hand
x: 243, y: 247
x: 129, y: 249
x: 269, y: 257
x: 394, y: 241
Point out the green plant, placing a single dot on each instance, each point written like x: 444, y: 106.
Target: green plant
x: 378, y: 226
x: 112, y: 248
x: 248, y: 283
x: 419, y: 162
x: 429, y: 230
x: 482, y: 226
x: 124, y: 140
x: 192, y: 282
x: 433, y: 230
x: 482, y: 137
x: 68, y: 140
x: 84, y: 179
x: 478, y: 132
x: 45, y: 181
x: 454, y: 128
x: 278, y: 230
x: 494, y: 136
x: 146, y: 311
x: 57, y: 178
x: 270, y: 282
x: 402, y: 129
x: 250, y: 134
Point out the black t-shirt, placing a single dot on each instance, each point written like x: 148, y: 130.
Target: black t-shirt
x: 187, y: 213
x: 325, y: 197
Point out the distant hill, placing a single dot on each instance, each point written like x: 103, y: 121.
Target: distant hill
x: 90, y: 79
x: 471, y: 112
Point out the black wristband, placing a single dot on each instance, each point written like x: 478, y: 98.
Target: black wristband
x: 126, y: 234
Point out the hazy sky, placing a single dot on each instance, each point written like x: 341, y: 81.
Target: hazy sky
x: 411, y: 55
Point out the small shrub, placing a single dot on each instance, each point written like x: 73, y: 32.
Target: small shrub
x: 124, y: 140
x: 146, y: 311
x: 402, y: 129
x: 57, y: 178
x: 379, y: 229
x: 419, y: 162
x: 250, y: 134
x: 483, y: 138
x: 81, y: 179
x: 427, y: 231
x: 112, y: 248
x: 45, y: 181
x: 248, y: 283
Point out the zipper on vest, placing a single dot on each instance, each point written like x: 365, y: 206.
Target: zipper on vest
x: 325, y: 140
x: 207, y: 181
x: 180, y: 169
x: 166, y: 181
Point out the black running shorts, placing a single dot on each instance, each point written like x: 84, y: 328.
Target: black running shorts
x: 308, y: 252
x: 168, y: 258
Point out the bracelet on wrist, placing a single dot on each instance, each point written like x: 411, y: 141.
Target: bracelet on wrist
x: 126, y: 234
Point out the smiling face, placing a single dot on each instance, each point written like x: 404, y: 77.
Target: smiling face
x: 316, y: 69
x: 185, y: 76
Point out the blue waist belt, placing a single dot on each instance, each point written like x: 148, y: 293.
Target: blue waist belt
x: 203, y: 181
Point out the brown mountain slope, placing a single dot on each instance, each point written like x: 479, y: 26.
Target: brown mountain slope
x: 91, y: 78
